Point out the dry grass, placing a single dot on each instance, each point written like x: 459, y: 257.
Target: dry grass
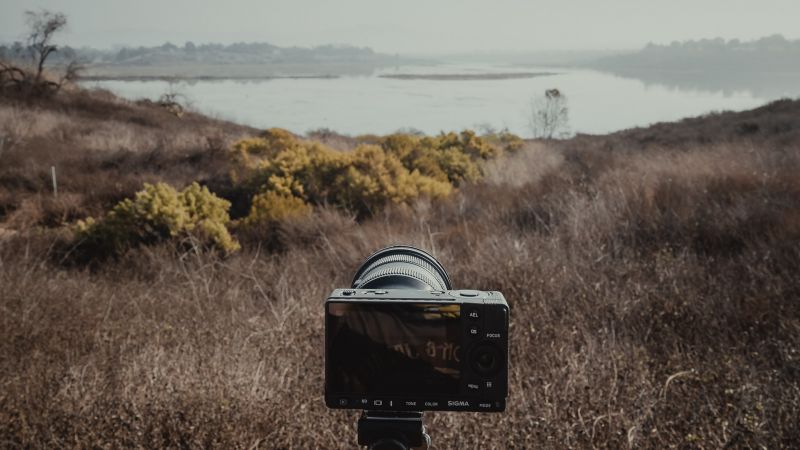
x: 104, y: 148
x: 654, y: 296
x: 529, y: 165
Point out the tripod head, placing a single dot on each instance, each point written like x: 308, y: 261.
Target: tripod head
x: 392, y: 431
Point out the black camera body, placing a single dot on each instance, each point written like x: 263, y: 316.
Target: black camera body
x: 402, y: 340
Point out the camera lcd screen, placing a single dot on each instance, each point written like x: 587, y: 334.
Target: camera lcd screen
x: 394, y: 348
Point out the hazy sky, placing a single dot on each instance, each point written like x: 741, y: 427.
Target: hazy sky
x: 412, y: 26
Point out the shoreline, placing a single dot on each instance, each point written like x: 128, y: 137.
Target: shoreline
x: 467, y: 76
x: 204, y: 77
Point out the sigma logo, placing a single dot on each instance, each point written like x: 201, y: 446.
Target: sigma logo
x: 457, y: 403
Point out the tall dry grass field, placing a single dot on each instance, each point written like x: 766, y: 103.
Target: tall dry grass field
x: 652, y: 276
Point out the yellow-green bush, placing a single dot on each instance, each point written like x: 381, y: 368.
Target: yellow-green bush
x: 266, y: 145
x: 158, y: 213
x: 372, y: 178
x: 271, y: 207
x: 362, y: 180
x: 278, y: 162
x: 509, y: 142
x: 391, y: 169
x: 450, y: 157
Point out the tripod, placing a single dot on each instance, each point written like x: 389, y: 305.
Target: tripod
x: 392, y: 431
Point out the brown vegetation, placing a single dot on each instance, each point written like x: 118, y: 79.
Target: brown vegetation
x: 104, y: 149
x: 652, y: 276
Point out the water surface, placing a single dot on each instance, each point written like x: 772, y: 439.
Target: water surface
x: 453, y: 97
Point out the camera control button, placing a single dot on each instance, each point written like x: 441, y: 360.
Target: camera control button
x: 348, y: 292
x: 473, y: 313
x: 473, y: 386
x: 377, y: 403
x: 474, y: 331
x: 342, y: 402
x: 486, y: 359
x: 468, y: 293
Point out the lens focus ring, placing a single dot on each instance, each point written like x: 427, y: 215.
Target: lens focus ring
x: 401, y: 270
x: 402, y: 267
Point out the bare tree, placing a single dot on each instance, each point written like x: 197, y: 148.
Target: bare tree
x: 11, y: 76
x: 173, y: 100
x: 549, y: 115
x: 43, y: 25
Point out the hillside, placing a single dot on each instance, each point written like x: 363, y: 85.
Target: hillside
x: 652, y: 276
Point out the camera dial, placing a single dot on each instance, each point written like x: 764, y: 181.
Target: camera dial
x: 485, y: 359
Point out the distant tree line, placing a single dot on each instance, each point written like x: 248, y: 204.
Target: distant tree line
x: 768, y: 53
x: 242, y: 52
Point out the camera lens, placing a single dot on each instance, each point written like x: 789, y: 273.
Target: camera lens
x: 485, y: 359
x: 402, y: 267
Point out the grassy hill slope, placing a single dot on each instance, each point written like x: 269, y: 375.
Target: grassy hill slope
x: 652, y: 275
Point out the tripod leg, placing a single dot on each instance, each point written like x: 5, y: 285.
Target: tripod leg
x: 427, y: 440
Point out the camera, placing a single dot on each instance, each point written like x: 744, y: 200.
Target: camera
x: 401, y: 339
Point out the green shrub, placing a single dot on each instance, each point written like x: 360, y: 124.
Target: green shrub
x: 160, y: 213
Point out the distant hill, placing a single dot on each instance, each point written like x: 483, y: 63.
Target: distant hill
x: 768, y: 67
x: 774, y: 53
x: 242, y: 60
x: 238, y: 53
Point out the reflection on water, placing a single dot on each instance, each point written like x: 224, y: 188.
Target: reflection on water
x: 369, y: 103
x: 762, y: 84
